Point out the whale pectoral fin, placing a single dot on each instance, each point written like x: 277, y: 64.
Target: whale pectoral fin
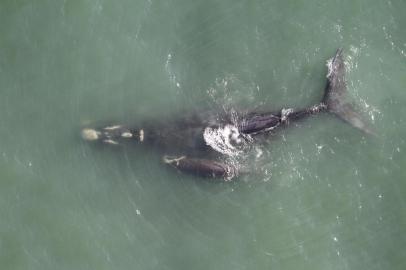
x: 202, y: 167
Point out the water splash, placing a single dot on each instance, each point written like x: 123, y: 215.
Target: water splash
x: 223, y: 139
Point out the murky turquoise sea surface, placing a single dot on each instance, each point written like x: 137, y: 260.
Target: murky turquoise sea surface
x: 323, y: 195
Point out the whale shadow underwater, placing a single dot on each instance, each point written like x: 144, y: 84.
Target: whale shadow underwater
x: 202, y: 144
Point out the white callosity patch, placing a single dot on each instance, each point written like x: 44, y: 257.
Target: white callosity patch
x: 126, y: 134
x: 109, y: 134
x: 112, y: 127
x: 90, y: 134
x: 223, y: 139
x: 109, y: 141
x: 173, y: 160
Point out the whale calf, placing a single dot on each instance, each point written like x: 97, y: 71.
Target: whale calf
x: 198, y: 144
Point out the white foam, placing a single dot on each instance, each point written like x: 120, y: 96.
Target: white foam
x: 221, y: 138
x: 329, y: 65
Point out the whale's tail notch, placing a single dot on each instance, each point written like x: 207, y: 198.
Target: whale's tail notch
x: 336, y: 91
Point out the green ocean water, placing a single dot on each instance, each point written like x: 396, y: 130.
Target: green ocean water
x: 323, y: 195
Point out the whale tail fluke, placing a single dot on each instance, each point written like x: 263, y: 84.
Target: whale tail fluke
x: 335, y: 94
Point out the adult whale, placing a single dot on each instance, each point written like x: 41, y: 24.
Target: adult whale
x: 198, y: 144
